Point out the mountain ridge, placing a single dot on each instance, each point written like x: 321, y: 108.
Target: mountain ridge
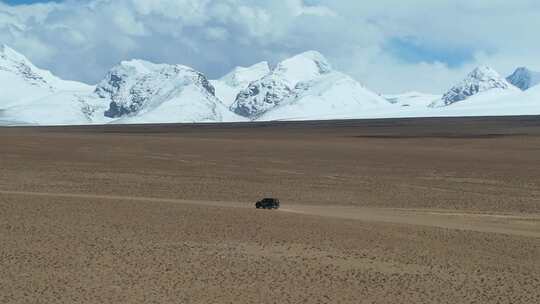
x: 302, y: 87
x: 292, y: 83
x: 481, y: 79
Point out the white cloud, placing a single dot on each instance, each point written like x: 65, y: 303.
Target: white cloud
x: 215, y: 35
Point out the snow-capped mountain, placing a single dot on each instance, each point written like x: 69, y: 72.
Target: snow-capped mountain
x: 482, y: 93
x: 280, y: 84
x: 479, y: 80
x: 141, y: 91
x: 132, y: 92
x: 524, y: 79
x: 228, y: 87
x: 489, y: 103
x: 34, y: 96
x: 21, y: 81
x: 304, y: 87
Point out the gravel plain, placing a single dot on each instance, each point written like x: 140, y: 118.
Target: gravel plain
x: 382, y: 211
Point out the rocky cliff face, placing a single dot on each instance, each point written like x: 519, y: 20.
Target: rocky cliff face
x: 136, y: 85
x: 262, y: 96
x: 524, y: 79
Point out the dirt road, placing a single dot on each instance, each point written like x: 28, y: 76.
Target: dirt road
x: 513, y: 224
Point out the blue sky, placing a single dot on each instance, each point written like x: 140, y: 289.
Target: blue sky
x: 412, y: 50
x: 15, y: 2
x: 389, y: 45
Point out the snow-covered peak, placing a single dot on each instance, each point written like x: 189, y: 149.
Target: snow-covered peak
x: 7, y: 52
x: 17, y: 64
x: 305, y: 87
x: 242, y: 76
x: 140, y: 66
x: 481, y: 79
x: 136, y: 72
x: 303, y: 67
x: 302, y: 87
x: 290, y: 77
x: 137, y: 86
x: 21, y: 82
x: 484, y: 73
x: 22, y: 68
x: 524, y: 79
x: 228, y: 86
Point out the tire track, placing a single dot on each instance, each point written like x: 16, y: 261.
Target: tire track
x: 510, y: 224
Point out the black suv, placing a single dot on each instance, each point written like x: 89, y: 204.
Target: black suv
x: 267, y: 203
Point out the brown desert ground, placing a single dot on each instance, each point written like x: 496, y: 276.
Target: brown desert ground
x: 374, y: 211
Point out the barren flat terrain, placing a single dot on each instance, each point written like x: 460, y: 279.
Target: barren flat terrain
x: 373, y: 211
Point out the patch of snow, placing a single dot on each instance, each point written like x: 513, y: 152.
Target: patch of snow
x: 412, y: 99
x: 302, y: 68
